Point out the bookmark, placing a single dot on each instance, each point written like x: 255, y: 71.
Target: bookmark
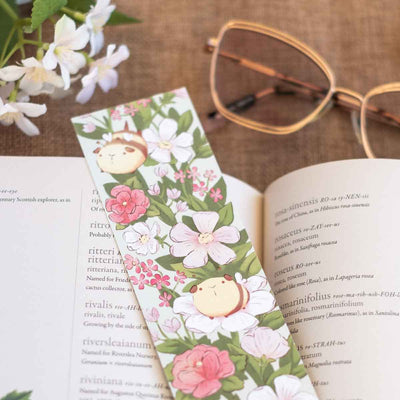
x: 209, y: 308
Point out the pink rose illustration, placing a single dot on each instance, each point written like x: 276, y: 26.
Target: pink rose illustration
x: 198, y: 371
x: 127, y: 205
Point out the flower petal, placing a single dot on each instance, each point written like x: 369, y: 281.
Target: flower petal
x: 207, y: 388
x: 196, y: 259
x: 239, y: 321
x: 27, y: 126
x: 96, y: 43
x: 150, y: 136
x: 262, y: 393
x: 248, y: 344
x: 11, y: 73
x: 120, y: 55
x: 142, y: 228
x: 130, y: 236
x: 182, y: 249
x: 110, y: 80
x: 161, y: 155
x: 227, y: 234
x: 85, y: 93
x: 153, y: 246
x: 260, y: 302
x: 181, y: 154
x: 220, y: 253
x: 50, y: 60
x: 184, y: 305
x: 167, y: 129
x: 286, y: 386
x: 182, y: 233
x: 255, y: 283
x: 31, y: 109
x: 205, y: 221
x: 202, y: 324
x: 183, y: 140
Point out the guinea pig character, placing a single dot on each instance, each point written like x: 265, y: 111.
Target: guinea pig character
x: 123, y: 154
x: 219, y: 297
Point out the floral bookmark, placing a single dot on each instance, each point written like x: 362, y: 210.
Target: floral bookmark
x: 213, y: 319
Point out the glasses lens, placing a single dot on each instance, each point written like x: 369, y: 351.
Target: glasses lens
x: 383, y: 124
x: 266, y: 80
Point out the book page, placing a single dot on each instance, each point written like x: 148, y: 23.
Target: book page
x: 331, y: 255
x: 71, y: 324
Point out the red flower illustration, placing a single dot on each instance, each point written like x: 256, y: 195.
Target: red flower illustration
x: 159, y: 281
x: 198, y: 371
x: 127, y: 205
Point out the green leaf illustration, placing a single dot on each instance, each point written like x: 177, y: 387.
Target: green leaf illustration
x: 150, y: 162
x: 43, y: 9
x: 6, y: 24
x: 281, y: 371
x: 184, y: 122
x: 195, y: 203
x: 173, y: 346
x: 166, y: 214
x: 250, y: 266
x: 168, y: 371
x: 204, y: 152
x: 80, y: 5
x: 134, y: 181
x: 17, y: 396
x: 109, y: 186
x: 225, y: 216
x: 273, y: 320
x: 173, y: 114
x: 299, y: 371
x: 188, y: 221
x: 212, y: 205
x: 231, y: 384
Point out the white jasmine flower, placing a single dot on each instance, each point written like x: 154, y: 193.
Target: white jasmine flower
x: 67, y: 39
x: 96, y: 18
x: 286, y: 388
x: 102, y: 72
x: 173, y: 194
x: 36, y: 78
x: 142, y: 239
x: 17, y: 112
x: 165, y: 142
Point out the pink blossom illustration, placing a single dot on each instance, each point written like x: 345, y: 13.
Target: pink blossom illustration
x: 161, y: 170
x: 89, y: 127
x: 209, y: 174
x: 159, y: 281
x: 127, y: 205
x: 149, y: 268
x: 173, y: 194
x: 165, y: 299
x: 181, y: 206
x: 180, y: 277
x: 171, y: 325
x: 193, y: 173
x: 181, y: 92
x: 199, y: 371
x: 144, y: 102
x: 196, y: 247
x: 216, y: 194
x: 263, y: 341
x: 115, y: 114
x: 154, y: 190
x: 180, y: 176
x: 202, y: 189
x: 131, y: 262
x: 130, y: 110
x: 141, y: 281
x: 151, y: 315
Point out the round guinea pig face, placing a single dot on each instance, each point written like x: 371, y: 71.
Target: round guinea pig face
x: 219, y: 297
x: 122, y: 158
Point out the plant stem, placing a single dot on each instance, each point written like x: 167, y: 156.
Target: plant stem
x: 8, y: 9
x: 74, y: 14
x: 21, y: 41
x: 7, y: 42
x: 14, y: 49
x: 162, y: 332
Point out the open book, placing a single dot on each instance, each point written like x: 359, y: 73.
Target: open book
x: 71, y: 327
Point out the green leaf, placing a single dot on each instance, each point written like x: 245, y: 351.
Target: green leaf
x: 299, y: 371
x: 250, y: 266
x: 253, y: 369
x: 239, y: 361
x: 204, y: 340
x: 134, y: 181
x: 97, y: 134
x: 204, y: 152
x: 118, y: 18
x: 166, y: 214
x: 109, y: 186
x: 43, y: 9
x: 188, y: 221
x: 184, y: 122
x: 273, y: 320
x: 120, y: 227
x: 152, y: 211
x: 196, y: 204
x: 150, y: 162
x: 6, y: 24
x: 197, y: 139
x: 172, y: 113
x: 231, y: 384
x: 168, y: 371
x: 167, y: 98
x: 219, y: 185
x: 225, y: 216
x: 235, y: 350
x: 167, y: 261
x: 80, y: 5
x: 17, y: 396
x: 285, y: 370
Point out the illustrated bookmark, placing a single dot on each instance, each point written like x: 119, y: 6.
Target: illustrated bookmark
x: 214, y: 321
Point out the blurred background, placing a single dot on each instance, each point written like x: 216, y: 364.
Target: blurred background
x: 358, y: 38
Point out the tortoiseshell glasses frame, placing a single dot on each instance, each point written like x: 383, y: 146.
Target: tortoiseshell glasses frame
x: 346, y: 98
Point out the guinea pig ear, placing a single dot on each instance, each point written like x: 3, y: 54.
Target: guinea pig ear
x: 126, y: 127
x: 129, y: 149
x: 193, y: 289
x: 97, y: 150
x: 228, y: 277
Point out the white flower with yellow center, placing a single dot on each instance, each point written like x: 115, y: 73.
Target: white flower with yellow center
x: 142, y: 239
x: 165, y: 142
x: 36, y: 79
x: 67, y: 39
x: 102, y: 72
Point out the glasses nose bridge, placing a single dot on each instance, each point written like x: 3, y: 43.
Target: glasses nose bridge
x: 348, y: 95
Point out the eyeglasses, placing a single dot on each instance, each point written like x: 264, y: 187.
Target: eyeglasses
x: 269, y: 81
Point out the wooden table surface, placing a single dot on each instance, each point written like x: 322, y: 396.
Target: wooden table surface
x: 359, y: 38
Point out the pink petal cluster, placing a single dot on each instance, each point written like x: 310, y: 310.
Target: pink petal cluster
x: 127, y: 205
x: 198, y: 371
x: 151, y: 315
x: 165, y: 299
x: 172, y: 325
x: 131, y: 262
x: 160, y: 280
x: 216, y: 194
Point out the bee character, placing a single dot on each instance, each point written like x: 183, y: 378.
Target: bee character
x: 219, y: 297
x: 123, y: 152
